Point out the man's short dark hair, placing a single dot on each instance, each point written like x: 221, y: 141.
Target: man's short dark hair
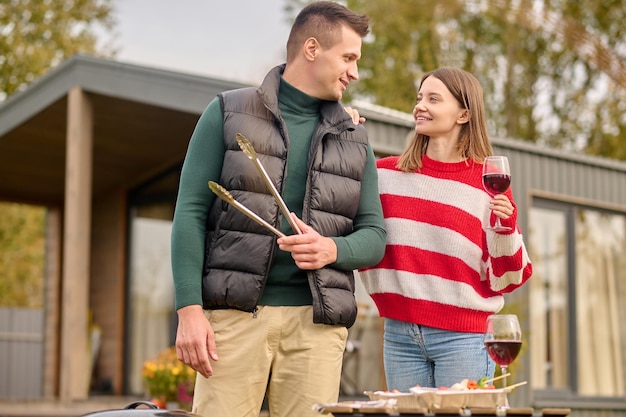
x: 323, y: 20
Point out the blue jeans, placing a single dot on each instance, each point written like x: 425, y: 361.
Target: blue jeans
x: 429, y: 357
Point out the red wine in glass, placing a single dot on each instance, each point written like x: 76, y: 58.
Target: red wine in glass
x: 503, y: 352
x: 496, y: 180
x: 496, y: 183
x: 503, y: 340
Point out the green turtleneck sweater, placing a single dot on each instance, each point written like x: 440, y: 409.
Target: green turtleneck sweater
x: 287, y: 285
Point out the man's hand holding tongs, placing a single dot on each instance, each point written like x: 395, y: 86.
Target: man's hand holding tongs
x: 309, y: 249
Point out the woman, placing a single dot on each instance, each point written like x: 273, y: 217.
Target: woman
x: 443, y: 272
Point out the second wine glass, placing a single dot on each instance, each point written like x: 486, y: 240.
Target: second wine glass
x: 503, y: 340
x: 496, y: 180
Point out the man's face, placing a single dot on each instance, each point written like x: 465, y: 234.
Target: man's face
x: 336, y: 66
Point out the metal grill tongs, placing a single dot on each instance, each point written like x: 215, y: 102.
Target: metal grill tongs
x: 222, y: 193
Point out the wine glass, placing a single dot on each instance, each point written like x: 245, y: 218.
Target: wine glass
x: 496, y: 180
x: 503, y: 340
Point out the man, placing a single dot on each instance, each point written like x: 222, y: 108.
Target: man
x: 259, y: 313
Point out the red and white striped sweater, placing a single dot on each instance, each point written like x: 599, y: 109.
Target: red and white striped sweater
x: 442, y: 268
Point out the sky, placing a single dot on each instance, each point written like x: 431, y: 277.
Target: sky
x: 238, y: 40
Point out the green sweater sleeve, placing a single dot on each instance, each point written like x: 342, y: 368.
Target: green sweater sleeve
x: 203, y: 163
x: 366, y: 245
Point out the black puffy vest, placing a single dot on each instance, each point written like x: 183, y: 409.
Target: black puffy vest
x: 238, y: 251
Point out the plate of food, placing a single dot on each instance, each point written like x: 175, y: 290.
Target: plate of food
x: 447, y: 398
x: 464, y: 394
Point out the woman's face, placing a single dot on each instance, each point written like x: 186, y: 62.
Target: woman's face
x: 437, y: 113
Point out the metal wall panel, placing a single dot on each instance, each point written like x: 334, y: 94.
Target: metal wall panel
x: 535, y: 170
x: 21, y: 353
x: 598, y: 182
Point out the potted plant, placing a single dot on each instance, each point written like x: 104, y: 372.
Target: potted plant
x: 168, y: 380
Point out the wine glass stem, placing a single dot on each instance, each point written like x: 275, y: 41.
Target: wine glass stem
x: 503, y: 371
x: 498, y: 224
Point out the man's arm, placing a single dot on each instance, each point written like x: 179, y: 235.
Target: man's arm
x: 195, y: 341
x: 203, y: 163
x: 366, y: 245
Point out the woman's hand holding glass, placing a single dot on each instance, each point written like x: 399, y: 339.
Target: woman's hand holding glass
x: 501, y: 206
x: 496, y: 180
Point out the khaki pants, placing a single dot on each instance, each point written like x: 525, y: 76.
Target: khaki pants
x: 281, y: 351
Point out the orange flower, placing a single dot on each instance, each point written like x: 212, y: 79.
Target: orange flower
x: 167, y: 378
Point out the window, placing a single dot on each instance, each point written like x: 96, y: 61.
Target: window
x: 151, y: 301
x: 151, y: 316
x: 579, y: 271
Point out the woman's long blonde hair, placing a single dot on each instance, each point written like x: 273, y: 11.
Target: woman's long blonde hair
x: 473, y: 139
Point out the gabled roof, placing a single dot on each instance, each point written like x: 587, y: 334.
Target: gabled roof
x: 143, y: 119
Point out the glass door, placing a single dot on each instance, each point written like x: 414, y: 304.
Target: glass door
x: 151, y: 319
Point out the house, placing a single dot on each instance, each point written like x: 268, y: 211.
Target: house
x: 100, y: 144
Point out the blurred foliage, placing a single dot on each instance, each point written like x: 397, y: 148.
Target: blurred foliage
x: 22, y: 251
x: 553, y: 71
x: 36, y: 35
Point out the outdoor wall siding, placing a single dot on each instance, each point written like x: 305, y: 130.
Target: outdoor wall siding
x: 564, y: 176
x: 535, y: 170
x: 21, y: 353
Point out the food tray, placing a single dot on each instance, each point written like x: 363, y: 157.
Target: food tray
x: 403, y: 400
x: 435, y: 399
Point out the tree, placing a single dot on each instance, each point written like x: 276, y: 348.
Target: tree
x: 553, y: 71
x: 36, y: 35
x: 21, y: 255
